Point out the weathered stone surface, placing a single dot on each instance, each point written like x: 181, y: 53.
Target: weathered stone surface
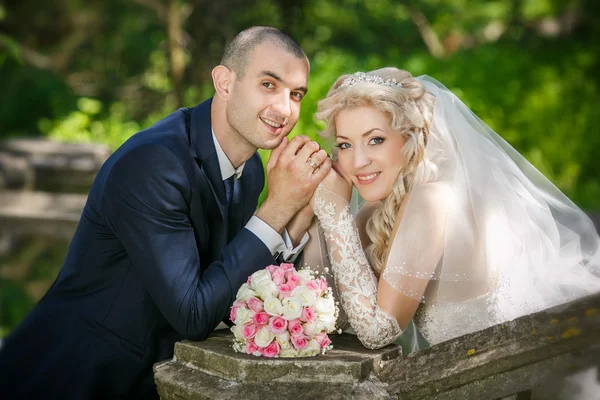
x: 50, y: 214
x: 176, y: 381
x: 348, y: 362
x: 504, y: 359
x: 15, y: 172
x: 499, y: 362
x: 212, y: 370
x: 52, y: 166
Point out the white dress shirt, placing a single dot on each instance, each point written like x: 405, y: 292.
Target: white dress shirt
x: 275, y: 242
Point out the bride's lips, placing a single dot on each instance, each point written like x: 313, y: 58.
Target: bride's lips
x: 365, y: 179
x: 273, y: 127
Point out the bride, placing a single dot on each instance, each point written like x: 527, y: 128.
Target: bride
x: 458, y: 232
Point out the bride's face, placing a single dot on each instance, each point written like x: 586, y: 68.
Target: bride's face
x: 369, y: 151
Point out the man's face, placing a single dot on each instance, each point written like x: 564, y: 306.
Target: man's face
x: 265, y: 104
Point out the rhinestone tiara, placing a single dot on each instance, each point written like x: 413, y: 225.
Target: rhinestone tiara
x: 358, y: 77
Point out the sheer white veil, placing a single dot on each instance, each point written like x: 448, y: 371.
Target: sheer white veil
x: 508, y: 230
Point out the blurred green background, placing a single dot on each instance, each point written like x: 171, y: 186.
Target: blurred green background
x: 101, y: 70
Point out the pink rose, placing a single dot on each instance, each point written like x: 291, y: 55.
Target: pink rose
x: 293, y: 280
x: 308, y: 314
x: 261, y: 318
x: 251, y: 347
x: 323, y: 284
x: 314, y: 286
x: 255, y: 304
x: 322, y: 339
x: 233, y: 312
x: 271, y: 350
x: 249, y: 330
x: 299, y: 342
x: 278, y: 325
x: 272, y: 268
x: 284, y: 291
x: 278, y: 276
x: 295, y: 327
x: 287, y: 266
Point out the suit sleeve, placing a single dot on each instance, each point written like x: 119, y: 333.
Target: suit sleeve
x: 146, y: 203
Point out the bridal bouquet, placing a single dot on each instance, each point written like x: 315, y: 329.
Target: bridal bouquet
x: 281, y: 312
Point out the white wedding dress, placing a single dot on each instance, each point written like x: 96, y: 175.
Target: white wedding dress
x: 338, y: 247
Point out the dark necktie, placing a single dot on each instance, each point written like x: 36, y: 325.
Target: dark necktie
x: 228, y: 188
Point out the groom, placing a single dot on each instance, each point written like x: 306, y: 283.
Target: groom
x: 168, y: 233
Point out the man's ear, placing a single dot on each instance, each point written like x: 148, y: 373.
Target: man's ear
x: 223, y: 79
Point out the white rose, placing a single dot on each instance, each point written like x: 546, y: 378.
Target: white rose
x: 263, y: 337
x: 306, y: 296
x: 237, y: 332
x: 246, y: 315
x: 325, y: 305
x: 241, y: 315
x: 305, y: 276
x: 259, y: 276
x: 288, y: 353
x: 312, y: 349
x: 292, y: 310
x: 309, y: 328
x: 328, y: 321
x: 245, y: 292
x: 320, y: 327
x: 267, y: 288
x: 273, y: 306
x: 284, y: 340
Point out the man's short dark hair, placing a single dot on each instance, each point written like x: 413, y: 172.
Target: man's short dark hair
x: 237, y: 54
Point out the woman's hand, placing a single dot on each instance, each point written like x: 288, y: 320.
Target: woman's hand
x: 337, y: 182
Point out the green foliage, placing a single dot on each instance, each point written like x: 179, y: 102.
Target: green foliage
x: 100, y: 71
x: 14, y: 305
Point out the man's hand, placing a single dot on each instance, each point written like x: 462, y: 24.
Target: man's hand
x: 299, y: 225
x: 294, y: 170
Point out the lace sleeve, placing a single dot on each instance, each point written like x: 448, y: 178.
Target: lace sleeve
x: 354, y: 277
x: 315, y: 257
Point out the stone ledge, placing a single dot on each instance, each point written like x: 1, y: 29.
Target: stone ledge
x: 494, y: 363
x: 176, y: 381
x: 212, y: 370
x: 45, y: 165
x: 504, y: 359
x: 40, y: 213
x: 347, y: 362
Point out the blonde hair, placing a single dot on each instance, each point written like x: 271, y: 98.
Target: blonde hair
x: 410, y: 107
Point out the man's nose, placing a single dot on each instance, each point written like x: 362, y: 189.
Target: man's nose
x: 283, y: 104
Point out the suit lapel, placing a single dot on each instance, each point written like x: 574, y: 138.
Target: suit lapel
x: 203, y: 150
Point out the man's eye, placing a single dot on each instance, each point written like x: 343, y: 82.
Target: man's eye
x: 298, y: 95
x: 268, y: 85
x: 376, y: 140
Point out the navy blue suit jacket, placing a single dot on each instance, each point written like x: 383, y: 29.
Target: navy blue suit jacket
x: 157, y: 257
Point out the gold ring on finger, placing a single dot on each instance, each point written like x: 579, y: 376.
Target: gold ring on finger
x: 312, y: 163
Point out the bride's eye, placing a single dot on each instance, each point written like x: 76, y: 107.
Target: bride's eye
x: 343, y: 145
x: 376, y: 140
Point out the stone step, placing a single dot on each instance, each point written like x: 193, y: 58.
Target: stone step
x: 44, y: 165
x: 347, y: 362
x: 40, y: 213
x: 176, y: 381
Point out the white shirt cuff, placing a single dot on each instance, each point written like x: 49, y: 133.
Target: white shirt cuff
x: 267, y: 235
x: 276, y: 244
x: 291, y: 253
